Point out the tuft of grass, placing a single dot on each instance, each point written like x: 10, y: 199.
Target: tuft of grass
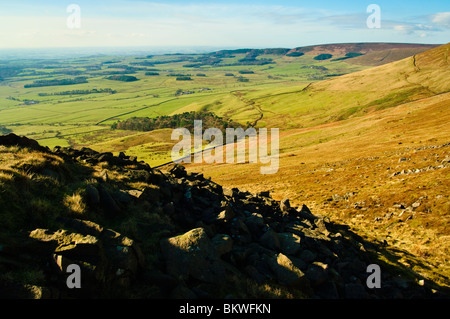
x: 75, y: 203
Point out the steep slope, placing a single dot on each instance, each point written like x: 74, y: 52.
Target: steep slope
x: 383, y: 168
x: 411, y: 79
x: 135, y: 232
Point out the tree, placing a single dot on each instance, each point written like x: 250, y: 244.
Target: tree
x: 323, y: 56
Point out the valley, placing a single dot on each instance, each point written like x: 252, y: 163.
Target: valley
x: 364, y: 138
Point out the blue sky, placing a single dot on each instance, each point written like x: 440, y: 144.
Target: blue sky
x: 232, y: 23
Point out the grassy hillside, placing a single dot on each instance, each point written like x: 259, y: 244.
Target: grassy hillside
x: 383, y: 167
x: 365, y: 146
x: 60, y: 115
x: 354, y: 94
x: 136, y: 232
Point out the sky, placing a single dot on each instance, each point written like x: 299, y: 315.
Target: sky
x: 230, y: 23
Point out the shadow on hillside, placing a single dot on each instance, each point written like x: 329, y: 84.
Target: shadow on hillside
x: 247, y: 235
x: 399, y: 263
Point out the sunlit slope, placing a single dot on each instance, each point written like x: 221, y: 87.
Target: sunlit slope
x: 411, y: 79
x: 384, y: 168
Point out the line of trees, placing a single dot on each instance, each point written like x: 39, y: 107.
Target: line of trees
x: 323, y: 56
x: 186, y: 120
x: 74, y: 92
x: 123, y: 78
x: 40, y: 83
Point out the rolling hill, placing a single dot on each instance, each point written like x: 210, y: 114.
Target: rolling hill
x: 370, y: 149
x: 413, y: 78
x: 367, y: 150
x: 290, y: 105
x: 372, y: 53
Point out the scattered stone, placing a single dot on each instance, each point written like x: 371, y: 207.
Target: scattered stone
x: 263, y: 194
x: 285, y: 205
x: 106, y: 257
x: 209, y: 238
x: 22, y: 141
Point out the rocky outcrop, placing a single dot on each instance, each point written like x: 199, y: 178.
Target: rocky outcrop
x: 21, y: 141
x: 188, y: 237
x: 108, y: 260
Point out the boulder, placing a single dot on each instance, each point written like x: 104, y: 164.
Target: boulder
x: 79, y: 247
x: 108, y: 203
x: 305, y: 213
x: 263, y: 194
x: 287, y: 273
x: 229, y: 192
x: 223, y: 243
x: 240, y: 231
x: 192, y: 254
x: 81, y: 226
x: 105, y: 157
x: 317, y: 273
x: 289, y: 243
x: 103, y: 176
x: 107, y: 259
x: 178, y: 171
x: 285, y: 206
x: 151, y: 194
x: 92, y: 195
x: 255, y: 223
x: 355, y: 291
x: 21, y: 141
x: 226, y: 214
x: 270, y: 240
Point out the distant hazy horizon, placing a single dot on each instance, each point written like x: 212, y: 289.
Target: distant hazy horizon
x: 77, y: 52
x: 64, y: 52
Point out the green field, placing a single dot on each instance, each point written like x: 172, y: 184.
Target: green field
x: 76, y: 114
x: 263, y: 88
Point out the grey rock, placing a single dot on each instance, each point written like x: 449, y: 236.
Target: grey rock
x: 287, y: 273
x: 317, y: 273
x: 270, y: 240
x: 290, y: 243
x: 192, y: 254
x: 92, y: 195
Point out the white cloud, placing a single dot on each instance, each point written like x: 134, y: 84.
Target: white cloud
x: 161, y: 24
x: 413, y: 28
x: 441, y: 19
x: 142, y: 23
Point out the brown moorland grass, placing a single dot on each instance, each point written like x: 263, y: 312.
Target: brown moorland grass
x: 385, y: 174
